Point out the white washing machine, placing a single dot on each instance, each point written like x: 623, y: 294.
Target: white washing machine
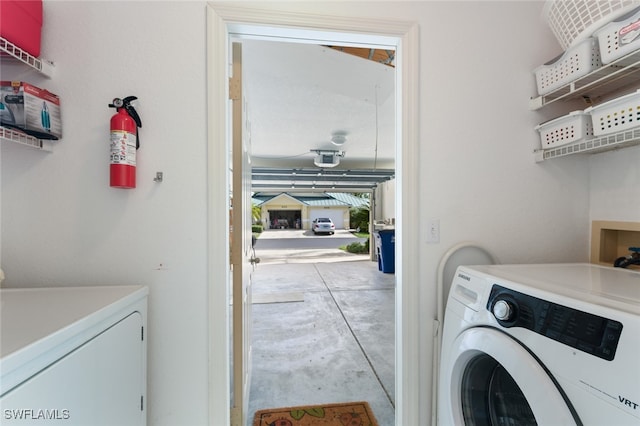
x: 553, y: 344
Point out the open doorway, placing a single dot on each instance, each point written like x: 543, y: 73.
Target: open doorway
x: 323, y: 321
x: 237, y: 21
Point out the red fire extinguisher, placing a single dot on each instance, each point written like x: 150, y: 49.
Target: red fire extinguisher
x: 124, y: 143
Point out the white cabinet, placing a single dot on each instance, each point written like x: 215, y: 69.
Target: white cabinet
x: 73, y: 355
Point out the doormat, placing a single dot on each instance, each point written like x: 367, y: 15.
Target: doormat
x: 343, y: 414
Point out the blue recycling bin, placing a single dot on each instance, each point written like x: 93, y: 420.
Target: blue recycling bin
x: 386, y: 250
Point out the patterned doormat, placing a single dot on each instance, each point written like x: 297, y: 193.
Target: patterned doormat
x: 343, y: 414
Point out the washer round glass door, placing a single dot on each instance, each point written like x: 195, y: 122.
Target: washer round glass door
x: 490, y: 379
x: 490, y: 396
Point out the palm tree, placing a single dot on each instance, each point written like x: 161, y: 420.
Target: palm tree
x: 256, y: 213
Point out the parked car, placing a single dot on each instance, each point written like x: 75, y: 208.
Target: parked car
x: 323, y: 225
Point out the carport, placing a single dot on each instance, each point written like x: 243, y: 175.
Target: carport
x: 309, y: 180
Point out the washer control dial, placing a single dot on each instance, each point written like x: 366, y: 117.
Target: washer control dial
x: 503, y: 310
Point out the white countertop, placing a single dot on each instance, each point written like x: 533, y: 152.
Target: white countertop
x: 616, y: 288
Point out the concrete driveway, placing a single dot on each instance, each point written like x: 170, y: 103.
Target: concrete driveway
x: 302, y: 246
x: 323, y: 325
x: 277, y: 234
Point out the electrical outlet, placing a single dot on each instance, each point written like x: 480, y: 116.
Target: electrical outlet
x: 433, y: 231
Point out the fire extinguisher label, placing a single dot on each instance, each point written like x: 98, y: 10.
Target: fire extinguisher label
x: 123, y: 148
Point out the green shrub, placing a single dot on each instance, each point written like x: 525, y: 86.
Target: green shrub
x: 256, y: 229
x: 358, y: 248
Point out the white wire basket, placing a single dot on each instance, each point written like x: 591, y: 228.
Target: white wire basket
x: 617, y: 115
x: 576, y: 62
x: 619, y: 37
x: 571, y: 21
x: 573, y: 127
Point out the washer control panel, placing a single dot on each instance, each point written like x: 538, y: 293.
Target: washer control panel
x: 587, y: 332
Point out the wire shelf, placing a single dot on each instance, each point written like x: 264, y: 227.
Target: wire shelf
x: 43, y: 66
x: 616, y: 75
x: 10, y: 135
x: 610, y: 142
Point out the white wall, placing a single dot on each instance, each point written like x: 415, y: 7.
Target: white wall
x: 614, y: 181
x: 62, y: 224
x: 478, y: 176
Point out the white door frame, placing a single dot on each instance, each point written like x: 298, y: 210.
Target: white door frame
x: 223, y: 20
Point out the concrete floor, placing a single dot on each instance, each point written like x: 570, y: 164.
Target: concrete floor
x: 328, y: 338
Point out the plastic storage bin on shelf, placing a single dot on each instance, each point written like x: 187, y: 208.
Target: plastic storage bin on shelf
x: 386, y: 250
x: 571, y: 65
x: 573, y: 20
x: 617, y: 115
x: 21, y: 24
x: 620, y: 37
x: 564, y: 130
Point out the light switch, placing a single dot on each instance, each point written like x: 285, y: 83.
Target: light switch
x: 433, y: 231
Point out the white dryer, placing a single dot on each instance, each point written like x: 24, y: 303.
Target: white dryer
x: 552, y: 344
x: 73, y: 356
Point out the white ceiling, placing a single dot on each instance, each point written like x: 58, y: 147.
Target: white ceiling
x: 300, y: 94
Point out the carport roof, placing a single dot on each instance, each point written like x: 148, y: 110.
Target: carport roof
x: 324, y: 202
x: 318, y: 179
x: 350, y: 199
x: 313, y: 200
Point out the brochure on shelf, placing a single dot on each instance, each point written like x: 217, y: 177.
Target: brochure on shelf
x: 31, y: 109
